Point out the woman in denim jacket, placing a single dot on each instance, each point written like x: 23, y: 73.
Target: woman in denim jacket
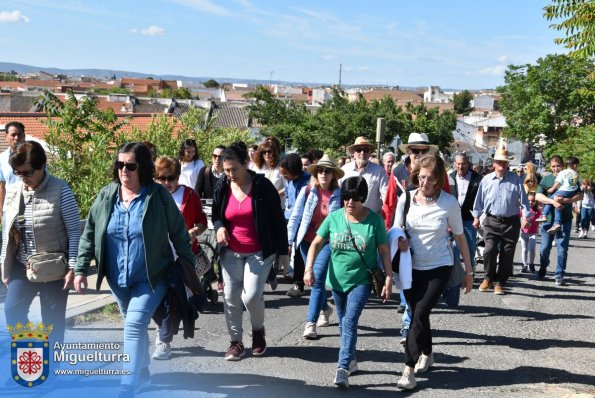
x: 314, y: 202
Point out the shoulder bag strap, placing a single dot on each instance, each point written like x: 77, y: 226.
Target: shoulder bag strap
x: 21, y: 219
x: 405, y: 211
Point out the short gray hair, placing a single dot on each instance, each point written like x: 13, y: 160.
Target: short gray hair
x: 390, y: 154
x: 462, y: 155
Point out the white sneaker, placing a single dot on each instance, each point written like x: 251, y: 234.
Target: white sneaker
x: 581, y: 234
x: 342, y: 378
x: 353, y: 366
x: 407, y: 381
x: 162, y: 350
x: 424, y: 362
x: 324, y: 317
x: 310, y: 331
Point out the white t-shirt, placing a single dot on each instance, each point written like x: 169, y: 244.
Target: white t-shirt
x: 189, y: 173
x: 569, y: 180
x: 274, y: 176
x: 428, y: 228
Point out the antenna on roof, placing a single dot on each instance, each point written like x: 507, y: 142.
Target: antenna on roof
x: 271, y: 73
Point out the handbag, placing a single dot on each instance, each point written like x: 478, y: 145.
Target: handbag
x: 40, y: 267
x: 202, y: 263
x: 396, y: 260
x: 377, y: 275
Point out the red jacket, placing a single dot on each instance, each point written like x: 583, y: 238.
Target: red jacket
x: 390, y: 202
x: 192, y: 212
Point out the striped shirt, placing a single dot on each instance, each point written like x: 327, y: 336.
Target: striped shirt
x: 70, y: 217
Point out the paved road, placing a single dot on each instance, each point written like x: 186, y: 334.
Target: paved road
x: 536, y: 341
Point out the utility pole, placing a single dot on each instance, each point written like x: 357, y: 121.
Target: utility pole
x: 340, y: 70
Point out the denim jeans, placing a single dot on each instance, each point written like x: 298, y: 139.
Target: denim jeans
x: 244, y: 279
x: 586, y: 215
x: 471, y: 237
x: 557, y: 212
x: 406, y: 319
x: 562, y: 238
x: 52, y: 298
x: 349, y: 308
x: 318, y: 290
x: 137, y: 304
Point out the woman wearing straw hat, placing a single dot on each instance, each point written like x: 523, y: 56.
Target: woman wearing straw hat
x: 498, y: 196
x: 373, y: 173
x: 312, y: 205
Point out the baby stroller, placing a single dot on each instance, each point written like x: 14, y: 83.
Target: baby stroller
x: 208, y: 243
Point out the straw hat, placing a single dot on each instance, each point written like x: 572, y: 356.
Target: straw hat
x: 418, y: 139
x: 359, y: 142
x: 329, y: 163
x: 502, y: 151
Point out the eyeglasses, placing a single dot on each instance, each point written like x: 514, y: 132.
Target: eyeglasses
x: 27, y: 173
x: 216, y: 156
x: 419, y: 151
x: 323, y: 170
x: 166, y: 178
x: 129, y: 166
x: 364, y: 149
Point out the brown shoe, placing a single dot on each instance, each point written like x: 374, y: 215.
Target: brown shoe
x: 259, y: 344
x: 499, y: 290
x: 485, y: 285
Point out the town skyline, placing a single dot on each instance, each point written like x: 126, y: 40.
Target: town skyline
x: 460, y: 45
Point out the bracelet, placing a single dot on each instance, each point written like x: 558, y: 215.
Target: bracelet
x: 389, y: 277
x: 469, y: 273
x: 308, y: 270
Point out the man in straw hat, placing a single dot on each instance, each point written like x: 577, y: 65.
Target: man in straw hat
x: 417, y: 146
x: 373, y: 173
x: 498, y: 196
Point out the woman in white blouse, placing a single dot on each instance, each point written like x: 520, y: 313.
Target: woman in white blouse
x: 191, y: 164
x: 431, y: 214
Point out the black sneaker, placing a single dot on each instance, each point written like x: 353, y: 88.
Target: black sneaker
x: 542, y: 271
x: 532, y: 268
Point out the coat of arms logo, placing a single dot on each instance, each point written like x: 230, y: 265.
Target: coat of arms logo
x: 30, y: 358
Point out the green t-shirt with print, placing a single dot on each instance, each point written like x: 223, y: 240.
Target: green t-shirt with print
x: 546, y: 183
x: 346, y: 269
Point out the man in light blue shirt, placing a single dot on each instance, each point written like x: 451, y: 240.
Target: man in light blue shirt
x: 500, y: 197
x: 14, y: 134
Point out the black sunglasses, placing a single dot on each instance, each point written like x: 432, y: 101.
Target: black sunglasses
x: 166, y: 178
x: 216, y: 156
x: 324, y: 170
x: 27, y: 173
x: 364, y: 149
x: 129, y: 166
x: 355, y: 198
x: 268, y: 151
x: 418, y: 151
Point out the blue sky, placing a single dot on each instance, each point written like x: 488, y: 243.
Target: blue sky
x: 456, y: 43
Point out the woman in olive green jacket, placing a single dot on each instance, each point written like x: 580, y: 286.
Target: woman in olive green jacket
x: 128, y: 233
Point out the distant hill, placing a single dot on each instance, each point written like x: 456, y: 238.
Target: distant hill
x: 108, y: 73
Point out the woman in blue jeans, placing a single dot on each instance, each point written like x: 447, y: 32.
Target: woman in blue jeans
x: 128, y: 234
x: 313, y: 204
x: 349, y: 231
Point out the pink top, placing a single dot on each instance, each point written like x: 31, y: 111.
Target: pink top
x: 320, y: 213
x: 533, y: 226
x: 242, y: 235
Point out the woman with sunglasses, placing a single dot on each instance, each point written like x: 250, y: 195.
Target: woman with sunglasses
x: 40, y: 216
x: 167, y: 173
x: 128, y: 234
x: 432, y: 213
x: 530, y: 182
x: 191, y: 164
x: 352, y: 233
x: 266, y: 161
x: 208, y: 175
x: 251, y: 232
x: 313, y: 204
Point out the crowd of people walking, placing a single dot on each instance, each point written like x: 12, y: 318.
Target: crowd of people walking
x: 320, y: 225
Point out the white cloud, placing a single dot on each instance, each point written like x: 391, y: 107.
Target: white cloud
x: 493, y: 71
x: 13, y: 17
x: 503, y: 59
x: 329, y: 57
x: 205, y: 6
x: 152, y: 30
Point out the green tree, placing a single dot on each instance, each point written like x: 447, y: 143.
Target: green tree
x: 541, y: 102
x: 81, y: 139
x: 438, y: 126
x: 8, y: 77
x: 578, y: 25
x: 183, y: 93
x: 580, y: 143
x: 211, y: 83
x: 462, y: 102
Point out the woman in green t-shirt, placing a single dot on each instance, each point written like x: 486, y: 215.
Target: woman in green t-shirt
x: 348, y: 276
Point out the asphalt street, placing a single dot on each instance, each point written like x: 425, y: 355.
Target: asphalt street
x: 535, y: 341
